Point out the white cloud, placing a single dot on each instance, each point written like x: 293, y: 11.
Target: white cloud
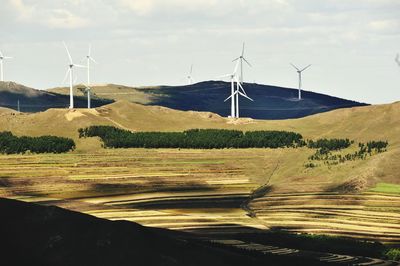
x: 385, y: 25
x: 51, y: 17
x: 61, y: 18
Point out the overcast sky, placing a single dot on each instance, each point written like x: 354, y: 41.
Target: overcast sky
x: 351, y: 44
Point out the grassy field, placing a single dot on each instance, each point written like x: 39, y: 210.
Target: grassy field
x: 208, y: 189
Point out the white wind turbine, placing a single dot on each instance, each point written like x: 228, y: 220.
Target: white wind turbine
x: 299, y: 72
x: 235, y: 93
x: 2, y: 57
x: 241, y: 59
x: 189, y: 77
x: 89, y: 58
x: 70, y: 72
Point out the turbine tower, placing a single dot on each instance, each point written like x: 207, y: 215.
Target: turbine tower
x: 397, y: 59
x: 241, y: 59
x: 2, y: 57
x: 70, y: 72
x: 189, y: 77
x: 88, y: 59
x: 299, y: 72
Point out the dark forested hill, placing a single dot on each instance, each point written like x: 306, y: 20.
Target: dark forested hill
x: 32, y: 100
x: 270, y: 102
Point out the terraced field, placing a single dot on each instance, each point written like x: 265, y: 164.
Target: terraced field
x: 207, y: 191
x: 366, y: 215
x: 178, y: 189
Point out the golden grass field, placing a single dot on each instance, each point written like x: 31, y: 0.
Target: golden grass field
x: 206, y: 189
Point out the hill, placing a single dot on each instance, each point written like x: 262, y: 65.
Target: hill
x: 270, y: 102
x: 39, y: 235
x: 215, y: 190
x: 32, y: 100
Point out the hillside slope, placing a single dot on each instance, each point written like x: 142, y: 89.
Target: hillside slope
x: 32, y: 100
x: 270, y: 102
x: 206, y: 189
x: 38, y: 235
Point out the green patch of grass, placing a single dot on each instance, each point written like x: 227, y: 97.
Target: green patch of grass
x: 386, y: 188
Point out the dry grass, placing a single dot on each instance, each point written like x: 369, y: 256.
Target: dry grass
x: 191, y: 189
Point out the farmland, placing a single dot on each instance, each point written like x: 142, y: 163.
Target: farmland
x: 217, y: 190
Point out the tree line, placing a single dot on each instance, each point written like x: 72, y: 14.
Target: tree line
x: 113, y: 137
x: 10, y: 144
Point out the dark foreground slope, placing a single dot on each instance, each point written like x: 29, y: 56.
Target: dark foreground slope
x: 32, y: 100
x: 270, y: 102
x: 39, y: 235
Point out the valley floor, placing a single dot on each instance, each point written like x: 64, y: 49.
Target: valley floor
x: 207, y: 191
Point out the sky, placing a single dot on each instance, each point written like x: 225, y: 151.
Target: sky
x: 351, y: 44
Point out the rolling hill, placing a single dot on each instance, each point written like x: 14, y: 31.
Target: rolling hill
x: 32, y: 100
x: 270, y: 102
x: 179, y: 189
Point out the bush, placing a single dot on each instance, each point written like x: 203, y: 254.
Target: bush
x: 195, y: 138
x: 10, y: 144
x: 393, y: 254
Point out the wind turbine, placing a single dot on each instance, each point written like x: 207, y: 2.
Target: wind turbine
x: 241, y: 59
x: 2, y: 57
x: 299, y: 72
x: 189, y: 77
x: 397, y: 59
x: 88, y: 59
x: 232, y: 78
x: 235, y: 93
x: 70, y: 72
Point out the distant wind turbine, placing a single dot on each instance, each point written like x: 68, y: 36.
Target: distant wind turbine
x: 189, y: 77
x: 89, y: 58
x: 397, y: 59
x: 70, y: 72
x: 299, y: 72
x: 241, y: 59
x: 2, y: 57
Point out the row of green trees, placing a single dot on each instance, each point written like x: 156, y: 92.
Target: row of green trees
x: 10, y: 144
x: 195, y: 138
x: 364, y: 149
x: 327, y: 145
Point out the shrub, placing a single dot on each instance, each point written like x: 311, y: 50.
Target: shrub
x: 393, y: 254
x: 10, y: 144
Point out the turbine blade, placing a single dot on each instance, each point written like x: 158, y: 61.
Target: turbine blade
x: 224, y: 76
x: 81, y: 66
x: 247, y: 62
x: 295, y: 67
x: 66, y: 75
x: 90, y: 50
x: 7, y: 57
x: 228, y: 98
x: 240, y: 86
x: 305, y: 68
x: 243, y: 50
x: 92, y: 59
x: 236, y: 68
x: 244, y: 95
x: 235, y: 59
x: 69, y: 55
